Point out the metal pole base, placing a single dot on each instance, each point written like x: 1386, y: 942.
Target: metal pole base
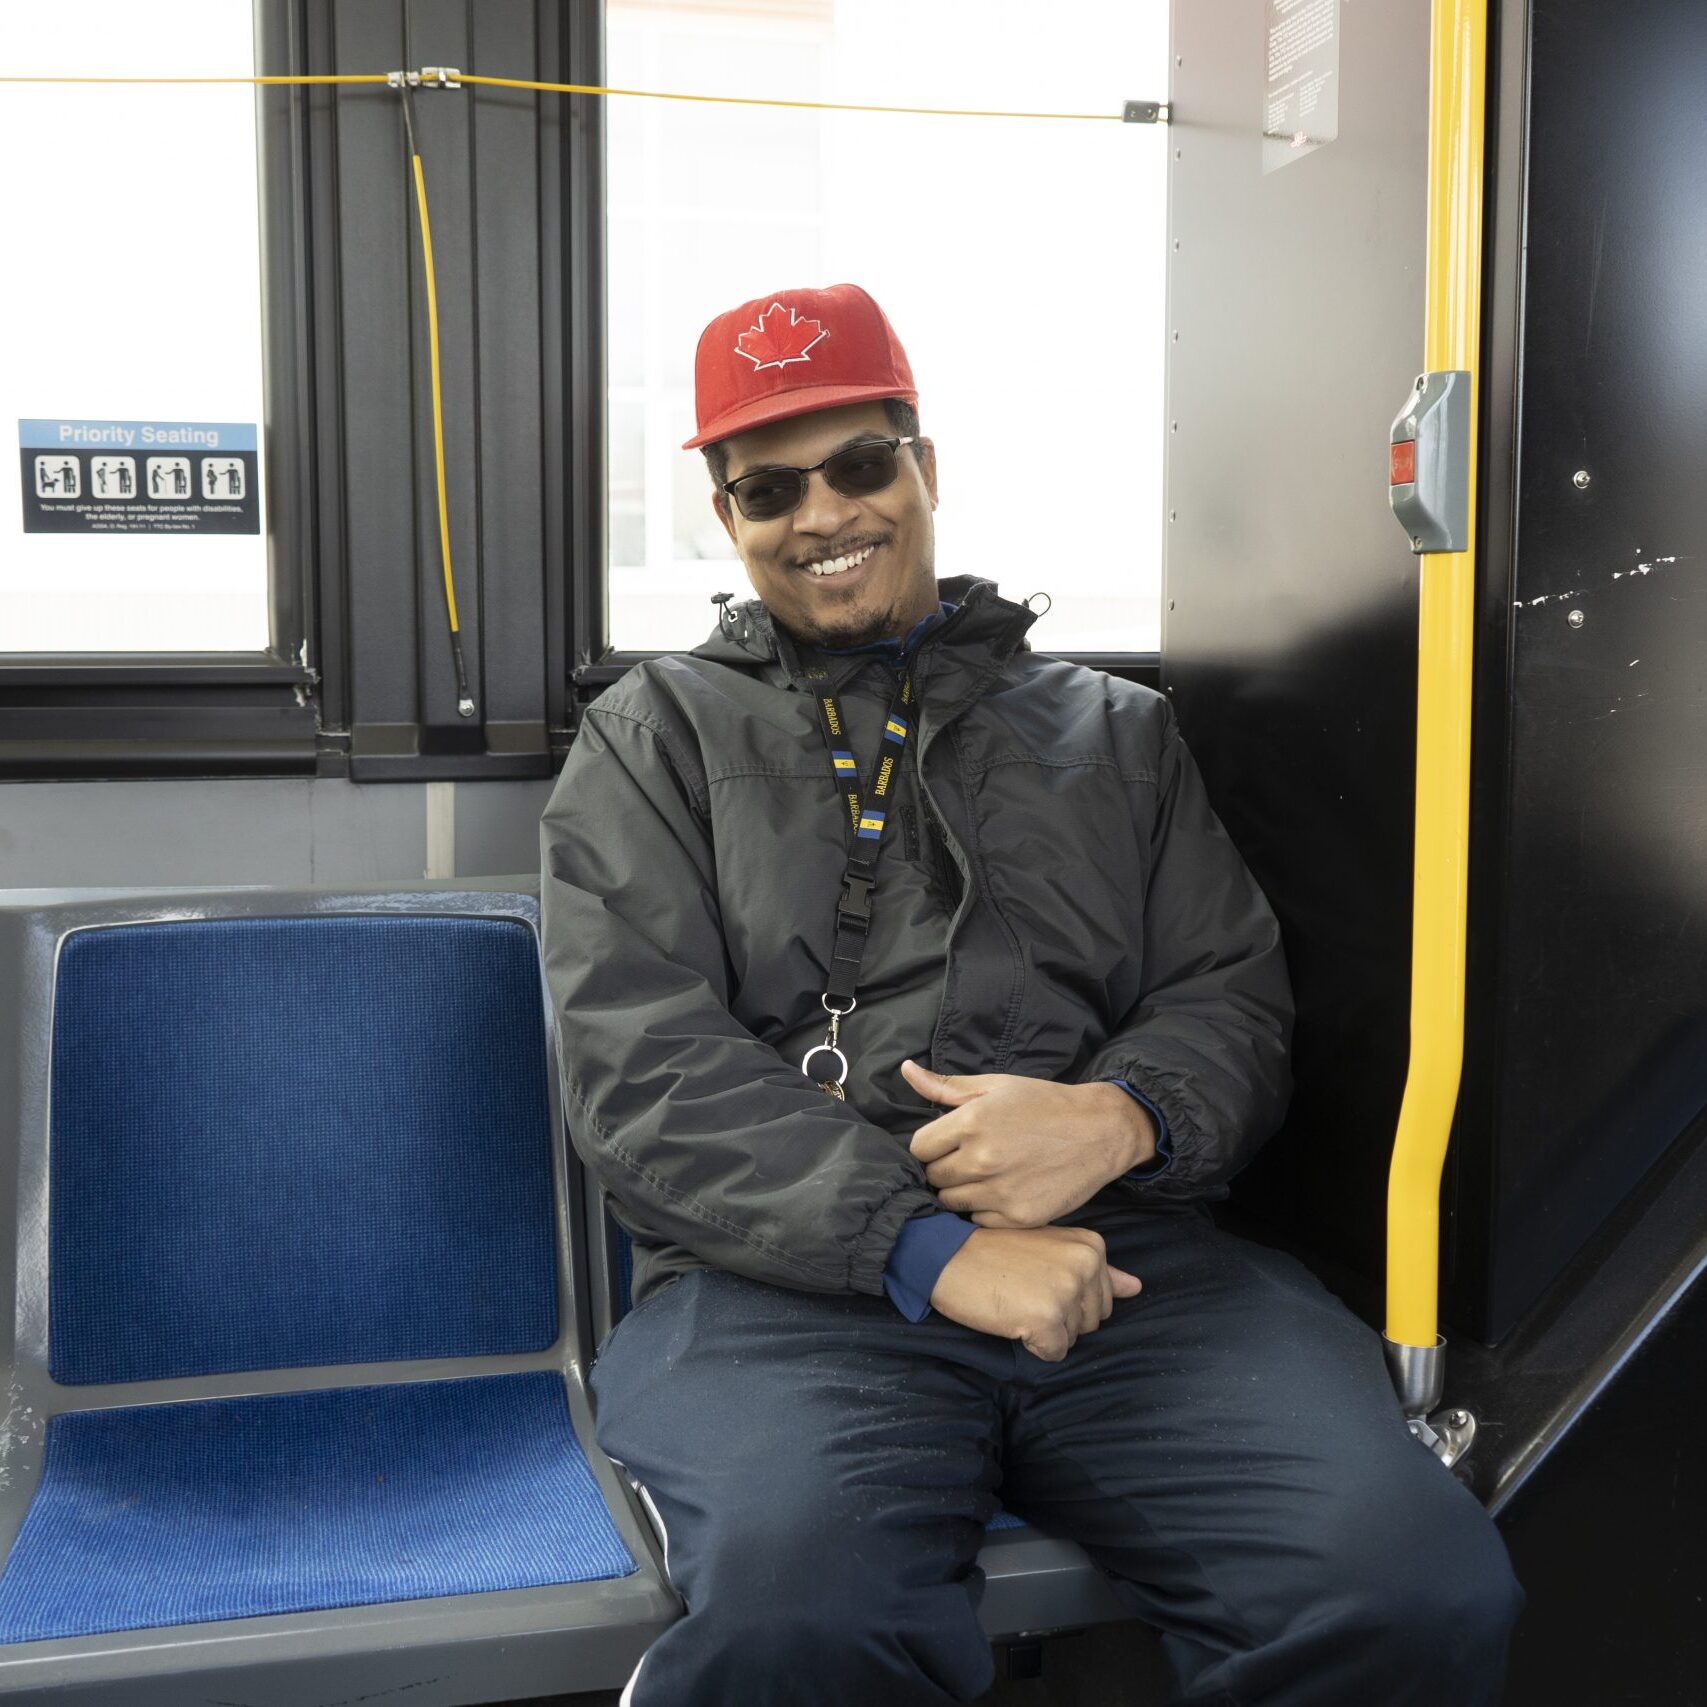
x: 1419, y: 1378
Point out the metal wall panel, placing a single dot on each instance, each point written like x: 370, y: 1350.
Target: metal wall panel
x: 1603, y: 885
x: 509, y: 366
x: 481, y: 150
x: 1289, y: 628
x: 375, y: 287
x: 289, y: 831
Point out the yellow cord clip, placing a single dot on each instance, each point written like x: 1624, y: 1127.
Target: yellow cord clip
x: 428, y: 77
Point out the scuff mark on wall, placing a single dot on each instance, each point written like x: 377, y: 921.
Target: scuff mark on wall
x: 1617, y: 575
x: 1574, y: 593
x: 1644, y: 568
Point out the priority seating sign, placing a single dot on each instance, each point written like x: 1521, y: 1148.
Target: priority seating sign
x: 139, y: 477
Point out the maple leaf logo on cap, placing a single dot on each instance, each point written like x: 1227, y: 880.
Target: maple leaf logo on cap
x: 775, y: 342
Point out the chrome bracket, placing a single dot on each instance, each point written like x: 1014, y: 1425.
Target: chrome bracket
x: 1447, y: 1434
x: 428, y: 77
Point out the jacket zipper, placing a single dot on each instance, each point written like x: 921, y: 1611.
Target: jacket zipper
x: 910, y: 833
x: 947, y: 873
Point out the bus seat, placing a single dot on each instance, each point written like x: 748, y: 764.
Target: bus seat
x: 295, y: 1409
x: 1032, y: 1582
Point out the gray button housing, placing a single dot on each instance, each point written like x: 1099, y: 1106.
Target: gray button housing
x: 1434, y: 508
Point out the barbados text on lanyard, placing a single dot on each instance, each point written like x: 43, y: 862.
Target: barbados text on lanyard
x: 867, y: 818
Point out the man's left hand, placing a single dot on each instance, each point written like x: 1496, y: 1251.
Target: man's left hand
x: 1019, y: 1152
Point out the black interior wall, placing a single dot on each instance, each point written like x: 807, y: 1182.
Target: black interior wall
x: 1290, y: 645
x: 1592, y: 981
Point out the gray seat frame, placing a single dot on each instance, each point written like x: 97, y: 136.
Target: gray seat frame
x: 441, y: 1652
x: 445, y: 1651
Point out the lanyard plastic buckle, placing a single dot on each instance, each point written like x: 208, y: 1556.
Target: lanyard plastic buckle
x: 854, y: 908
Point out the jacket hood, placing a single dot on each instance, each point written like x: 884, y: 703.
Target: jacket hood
x: 984, y: 632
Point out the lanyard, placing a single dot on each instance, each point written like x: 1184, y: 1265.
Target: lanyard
x: 867, y: 817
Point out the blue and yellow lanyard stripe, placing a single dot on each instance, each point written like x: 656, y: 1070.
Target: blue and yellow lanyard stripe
x: 868, y: 814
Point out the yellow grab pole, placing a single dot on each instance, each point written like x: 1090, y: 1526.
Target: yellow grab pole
x: 1445, y: 631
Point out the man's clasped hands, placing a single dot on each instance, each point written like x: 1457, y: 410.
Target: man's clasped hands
x: 1012, y: 1155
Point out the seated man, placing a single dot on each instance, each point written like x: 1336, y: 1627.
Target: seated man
x: 914, y: 1005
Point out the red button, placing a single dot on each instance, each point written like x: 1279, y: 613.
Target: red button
x: 1402, y: 463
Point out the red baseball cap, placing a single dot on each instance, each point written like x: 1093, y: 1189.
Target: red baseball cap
x: 791, y: 352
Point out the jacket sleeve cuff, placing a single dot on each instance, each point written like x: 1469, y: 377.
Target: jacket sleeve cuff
x: 920, y: 1253
x: 1164, y: 1156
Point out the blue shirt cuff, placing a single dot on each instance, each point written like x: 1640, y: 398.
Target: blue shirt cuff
x: 1164, y: 1157
x: 920, y: 1253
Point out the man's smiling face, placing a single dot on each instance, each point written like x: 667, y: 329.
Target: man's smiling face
x: 888, y: 536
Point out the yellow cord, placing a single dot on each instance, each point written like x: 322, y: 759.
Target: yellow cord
x: 364, y: 77
x: 426, y: 230
x: 438, y: 418
x: 758, y: 101
x: 597, y: 89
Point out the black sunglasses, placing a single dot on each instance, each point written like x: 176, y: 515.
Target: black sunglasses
x: 856, y: 472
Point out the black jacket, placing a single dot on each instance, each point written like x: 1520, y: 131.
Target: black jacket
x: 1055, y: 898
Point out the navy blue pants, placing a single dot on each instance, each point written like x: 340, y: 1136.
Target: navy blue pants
x: 1227, y: 1445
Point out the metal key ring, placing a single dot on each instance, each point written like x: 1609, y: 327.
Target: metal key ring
x: 825, y: 1049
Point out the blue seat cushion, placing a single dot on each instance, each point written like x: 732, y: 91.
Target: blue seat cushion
x: 150, y: 1515
x: 277, y: 1143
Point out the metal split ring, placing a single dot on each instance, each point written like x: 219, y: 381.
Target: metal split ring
x: 825, y: 1049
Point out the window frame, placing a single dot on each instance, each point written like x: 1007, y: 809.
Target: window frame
x: 287, y: 709
x: 143, y: 714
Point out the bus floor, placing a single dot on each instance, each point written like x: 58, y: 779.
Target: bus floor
x: 1108, y: 1665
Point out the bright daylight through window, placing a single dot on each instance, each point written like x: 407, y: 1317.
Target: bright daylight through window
x: 1020, y: 261
x: 130, y: 333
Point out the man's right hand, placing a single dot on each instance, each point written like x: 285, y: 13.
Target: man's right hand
x: 1043, y: 1286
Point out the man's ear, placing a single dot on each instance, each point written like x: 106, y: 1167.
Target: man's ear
x: 927, y: 465
x: 720, y: 504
